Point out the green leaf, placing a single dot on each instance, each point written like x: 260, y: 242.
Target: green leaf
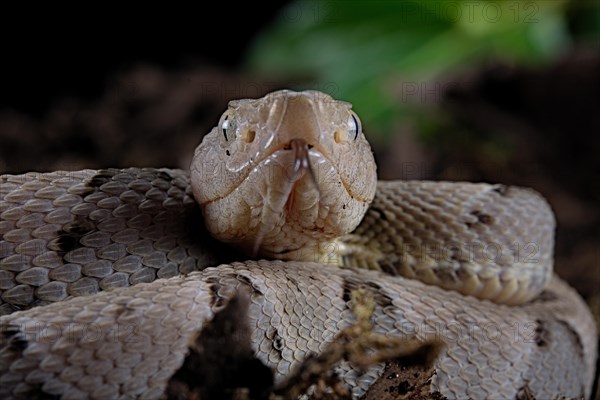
x: 365, y: 51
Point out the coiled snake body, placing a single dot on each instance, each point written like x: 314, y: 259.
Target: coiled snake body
x: 287, y: 176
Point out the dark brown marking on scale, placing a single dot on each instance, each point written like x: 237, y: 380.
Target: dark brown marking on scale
x: 346, y: 290
x: 15, y: 338
x: 542, y: 336
x: 576, y: 339
x: 525, y: 393
x: 277, y: 343
x: 69, y: 235
x: 216, y: 300
x: 380, y: 213
x: 502, y: 190
x: 349, y: 284
x: 545, y: 296
x: 164, y: 176
x: 35, y: 391
x: 482, y: 217
x: 103, y: 176
x: 246, y: 281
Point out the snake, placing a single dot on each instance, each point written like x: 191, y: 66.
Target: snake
x: 106, y: 275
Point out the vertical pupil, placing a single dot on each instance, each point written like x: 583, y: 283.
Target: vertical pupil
x: 224, y: 126
x: 354, y: 127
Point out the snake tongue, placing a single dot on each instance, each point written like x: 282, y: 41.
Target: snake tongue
x: 301, y: 163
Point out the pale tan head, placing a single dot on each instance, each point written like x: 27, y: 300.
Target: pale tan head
x: 288, y: 171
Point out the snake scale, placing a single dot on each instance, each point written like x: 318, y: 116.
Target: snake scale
x: 106, y: 275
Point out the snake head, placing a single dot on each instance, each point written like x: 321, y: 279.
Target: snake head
x: 288, y: 171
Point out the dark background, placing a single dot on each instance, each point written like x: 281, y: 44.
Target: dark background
x: 69, y: 52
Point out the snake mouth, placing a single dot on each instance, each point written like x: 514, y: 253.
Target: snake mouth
x: 303, y: 152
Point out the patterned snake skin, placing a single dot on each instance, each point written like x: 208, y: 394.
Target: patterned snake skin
x: 72, y: 234
x: 106, y: 275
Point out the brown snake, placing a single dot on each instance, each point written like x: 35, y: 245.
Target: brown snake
x: 116, y: 263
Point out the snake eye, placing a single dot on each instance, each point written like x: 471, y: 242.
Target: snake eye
x: 353, y: 125
x: 352, y: 130
x: 225, y: 126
